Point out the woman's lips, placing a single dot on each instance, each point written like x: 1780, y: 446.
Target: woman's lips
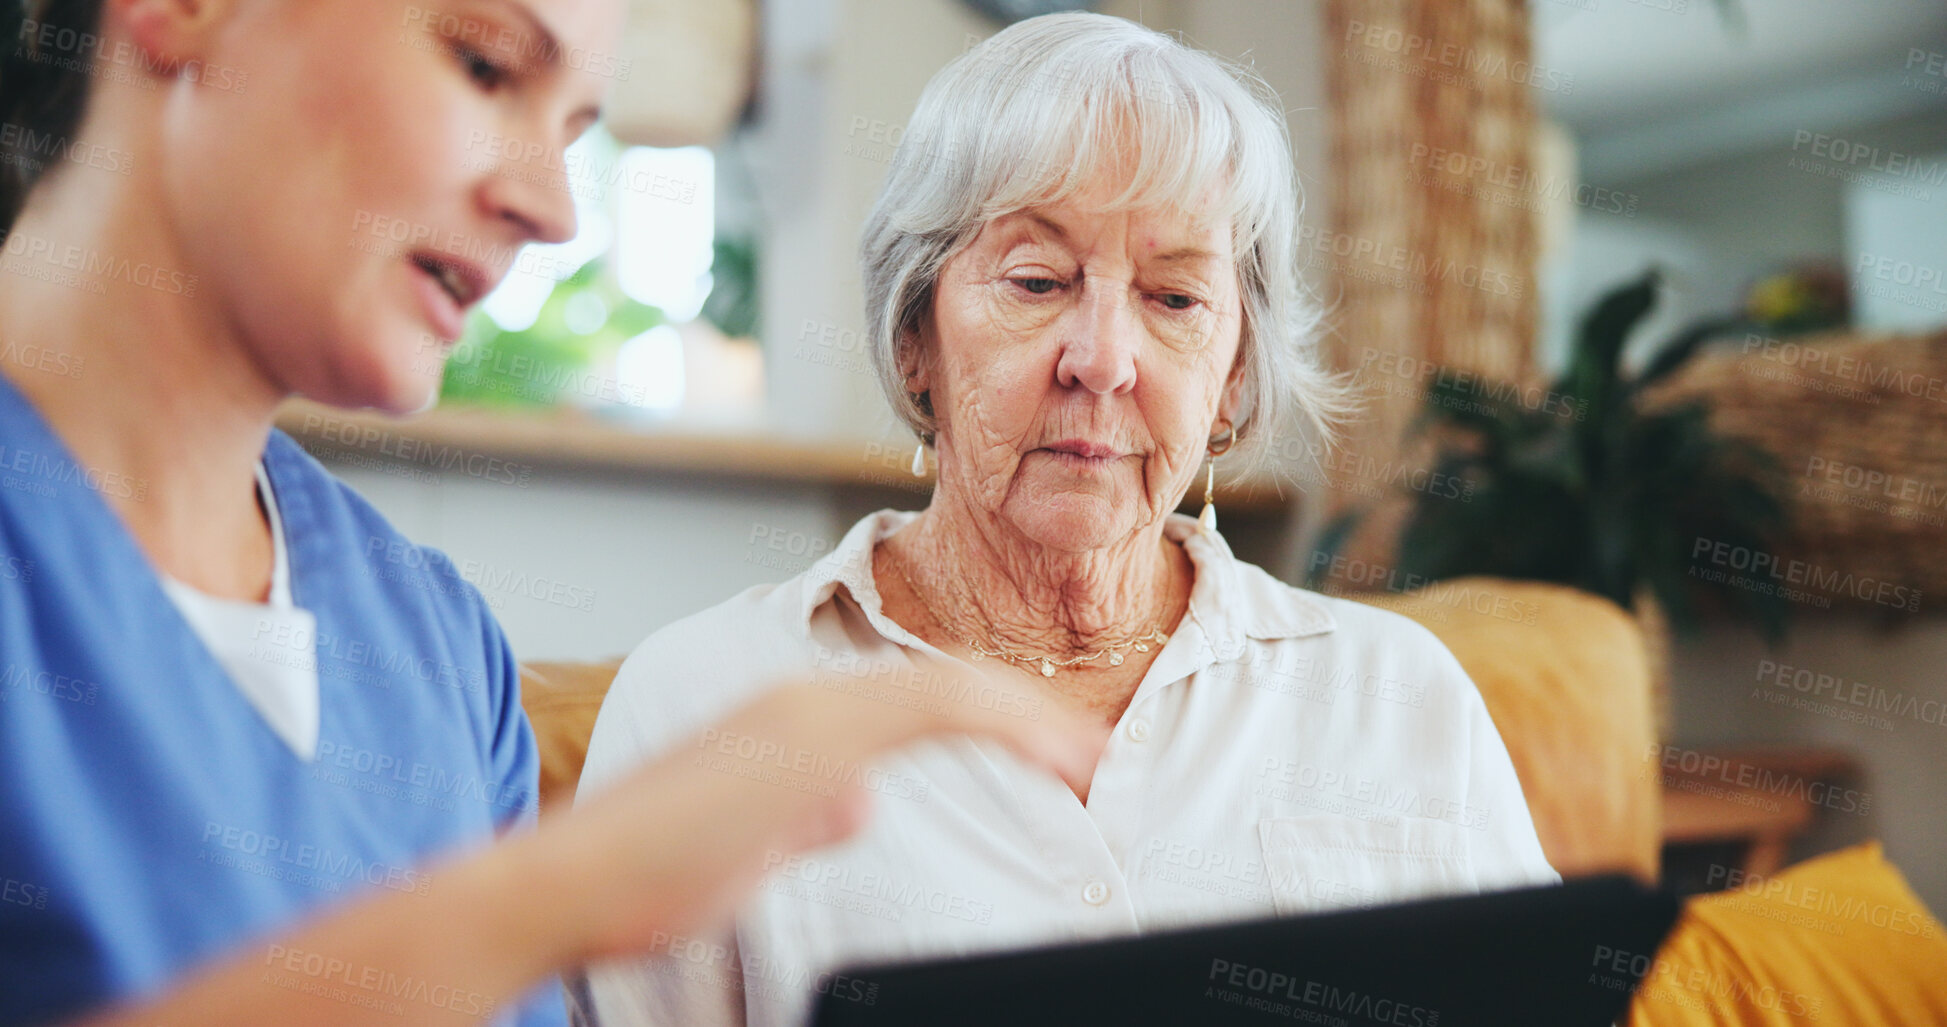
x: 1082, y: 456
x: 448, y: 287
x: 448, y: 320
x: 1084, y: 448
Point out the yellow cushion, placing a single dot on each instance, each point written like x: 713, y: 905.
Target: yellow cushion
x: 1566, y: 677
x: 1840, y: 939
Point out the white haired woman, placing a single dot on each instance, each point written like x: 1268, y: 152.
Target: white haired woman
x: 1081, y: 286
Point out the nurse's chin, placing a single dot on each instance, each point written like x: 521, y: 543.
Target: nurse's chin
x: 393, y: 391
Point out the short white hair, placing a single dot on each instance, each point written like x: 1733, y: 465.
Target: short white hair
x: 1027, y: 118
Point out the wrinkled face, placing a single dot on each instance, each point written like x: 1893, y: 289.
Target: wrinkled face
x: 1077, y: 359
x: 376, y: 174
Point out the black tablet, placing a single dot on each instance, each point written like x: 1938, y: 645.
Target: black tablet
x: 1566, y: 956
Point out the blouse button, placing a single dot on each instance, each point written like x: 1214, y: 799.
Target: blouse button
x: 1095, y: 893
x: 1139, y: 730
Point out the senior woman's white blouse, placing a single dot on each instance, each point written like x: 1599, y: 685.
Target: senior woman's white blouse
x: 1287, y: 752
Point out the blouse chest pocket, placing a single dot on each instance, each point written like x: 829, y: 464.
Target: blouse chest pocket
x: 1318, y: 864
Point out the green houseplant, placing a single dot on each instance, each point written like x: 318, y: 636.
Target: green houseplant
x: 1594, y: 488
x: 585, y: 319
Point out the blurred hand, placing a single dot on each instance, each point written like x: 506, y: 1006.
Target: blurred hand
x: 679, y: 843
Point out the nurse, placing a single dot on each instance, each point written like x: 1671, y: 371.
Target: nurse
x: 255, y: 747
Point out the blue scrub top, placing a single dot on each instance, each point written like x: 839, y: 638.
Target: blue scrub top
x: 151, y: 820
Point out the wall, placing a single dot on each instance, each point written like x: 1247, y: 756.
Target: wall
x: 1894, y: 252
x: 584, y: 566
x: 1727, y: 691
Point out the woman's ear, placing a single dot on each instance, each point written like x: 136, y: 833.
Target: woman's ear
x: 1232, y: 399
x: 913, y: 365
x: 170, y: 33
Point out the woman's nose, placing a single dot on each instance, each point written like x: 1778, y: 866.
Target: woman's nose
x: 535, y: 197
x: 1099, y: 349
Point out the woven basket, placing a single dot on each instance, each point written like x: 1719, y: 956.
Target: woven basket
x: 1859, y: 427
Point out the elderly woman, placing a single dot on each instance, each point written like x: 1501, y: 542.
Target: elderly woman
x: 1081, y: 288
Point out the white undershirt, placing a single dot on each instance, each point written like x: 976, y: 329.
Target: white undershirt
x: 268, y: 649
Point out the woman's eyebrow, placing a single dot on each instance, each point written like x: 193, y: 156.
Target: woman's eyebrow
x: 1186, y: 254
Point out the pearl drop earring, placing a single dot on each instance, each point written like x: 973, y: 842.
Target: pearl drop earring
x: 1207, y: 520
x: 1219, y: 445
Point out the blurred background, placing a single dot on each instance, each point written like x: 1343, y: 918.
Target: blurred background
x: 1645, y: 297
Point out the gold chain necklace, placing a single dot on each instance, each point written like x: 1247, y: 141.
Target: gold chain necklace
x: 1047, y: 665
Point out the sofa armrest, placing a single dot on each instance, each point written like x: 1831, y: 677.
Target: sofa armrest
x: 561, y: 700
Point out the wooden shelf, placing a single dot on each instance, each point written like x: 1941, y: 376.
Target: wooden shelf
x: 1763, y: 818
x: 566, y: 437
